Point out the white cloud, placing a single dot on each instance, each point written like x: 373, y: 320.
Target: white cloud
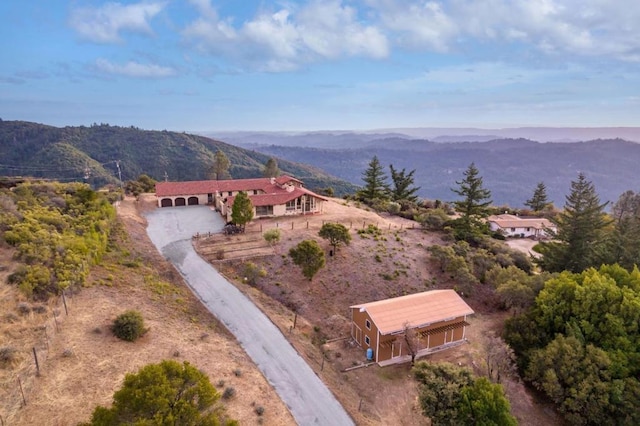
x: 286, y: 38
x: 105, y: 24
x: 576, y: 27
x: 134, y: 69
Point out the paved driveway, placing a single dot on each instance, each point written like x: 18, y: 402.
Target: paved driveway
x: 302, y: 391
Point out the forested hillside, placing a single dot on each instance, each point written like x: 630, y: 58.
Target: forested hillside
x: 510, y: 167
x: 99, y: 153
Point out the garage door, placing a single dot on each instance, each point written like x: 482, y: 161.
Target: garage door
x: 166, y: 202
x: 192, y: 201
x: 180, y: 202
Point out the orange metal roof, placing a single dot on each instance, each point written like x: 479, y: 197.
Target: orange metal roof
x: 420, y: 309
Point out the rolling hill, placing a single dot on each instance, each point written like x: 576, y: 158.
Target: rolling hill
x: 510, y: 168
x: 98, y: 154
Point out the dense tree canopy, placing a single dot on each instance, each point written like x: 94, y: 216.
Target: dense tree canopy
x: 242, y: 209
x: 309, y: 256
x: 580, y: 344
x: 579, y: 242
x: 162, y: 394
x: 473, y: 207
x: 59, y: 231
x: 450, y: 395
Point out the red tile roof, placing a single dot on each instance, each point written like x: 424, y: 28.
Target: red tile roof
x: 418, y: 310
x: 272, y: 193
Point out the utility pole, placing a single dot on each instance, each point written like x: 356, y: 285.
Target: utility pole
x: 119, y: 172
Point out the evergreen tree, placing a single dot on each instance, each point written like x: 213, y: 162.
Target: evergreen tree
x: 473, y: 207
x: 220, y: 168
x: 271, y: 168
x: 403, y: 188
x: 375, y: 187
x: 539, y: 199
x: 242, y: 209
x: 625, y: 242
x: 579, y: 242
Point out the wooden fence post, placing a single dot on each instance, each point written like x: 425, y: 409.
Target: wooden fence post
x: 24, y: 401
x: 295, y: 320
x: 64, y: 302
x: 35, y: 356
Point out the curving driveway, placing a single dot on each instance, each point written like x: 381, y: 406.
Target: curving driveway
x: 302, y: 391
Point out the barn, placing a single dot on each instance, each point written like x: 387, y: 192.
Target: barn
x: 392, y: 330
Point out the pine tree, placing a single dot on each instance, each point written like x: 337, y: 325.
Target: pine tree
x: 579, y: 242
x: 220, y: 168
x: 403, y: 188
x: 473, y: 207
x: 271, y: 168
x: 539, y: 199
x: 375, y: 187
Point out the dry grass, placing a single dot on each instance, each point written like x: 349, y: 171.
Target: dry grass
x: 82, y: 363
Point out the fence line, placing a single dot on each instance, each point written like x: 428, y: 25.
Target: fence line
x: 261, y: 226
x: 16, y: 387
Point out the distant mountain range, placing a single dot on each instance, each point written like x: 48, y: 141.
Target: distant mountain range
x: 511, y: 168
x: 99, y: 154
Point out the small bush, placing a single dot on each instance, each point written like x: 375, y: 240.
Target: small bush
x: 229, y: 393
x: 220, y: 384
x: 220, y: 254
x: 8, y: 354
x: 129, y: 326
x: 24, y: 308
x: 237, y: 372
x: 259, y: 410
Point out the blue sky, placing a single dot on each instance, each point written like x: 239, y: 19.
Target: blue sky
x: 205, y: 65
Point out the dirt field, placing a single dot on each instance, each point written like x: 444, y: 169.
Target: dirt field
x: 393, y: 263
x: 82, y: 363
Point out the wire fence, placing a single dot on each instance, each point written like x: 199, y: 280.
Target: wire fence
x: 17, y: 385
x: 261, y: 226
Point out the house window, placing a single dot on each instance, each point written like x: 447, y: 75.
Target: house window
x: 528, y: 229
x: 230, y: 193
x: 367, y: 341
x: 255, y: 192
x: 367, y: 324
x: 264, y: 210
x: 513, y: 229
x: 291, y: 205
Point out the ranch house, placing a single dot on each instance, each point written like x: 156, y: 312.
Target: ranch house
x: 525, y: 227
x: 270, y: 197
x: 432, y: 320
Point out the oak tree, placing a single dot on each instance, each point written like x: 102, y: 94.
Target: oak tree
x: 168, y: 393
x: 336, y: 233
x: 309, y: 256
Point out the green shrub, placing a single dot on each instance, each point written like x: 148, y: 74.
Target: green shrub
x: 129, y: 326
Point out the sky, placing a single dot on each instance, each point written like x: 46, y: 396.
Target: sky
x: 206, y: 65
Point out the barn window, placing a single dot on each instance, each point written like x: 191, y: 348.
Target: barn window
x: 367, y: 324
x: 367, y: 341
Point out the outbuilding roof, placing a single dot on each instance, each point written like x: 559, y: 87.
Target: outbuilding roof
x: 415, y: 310
x: 511, y: 221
